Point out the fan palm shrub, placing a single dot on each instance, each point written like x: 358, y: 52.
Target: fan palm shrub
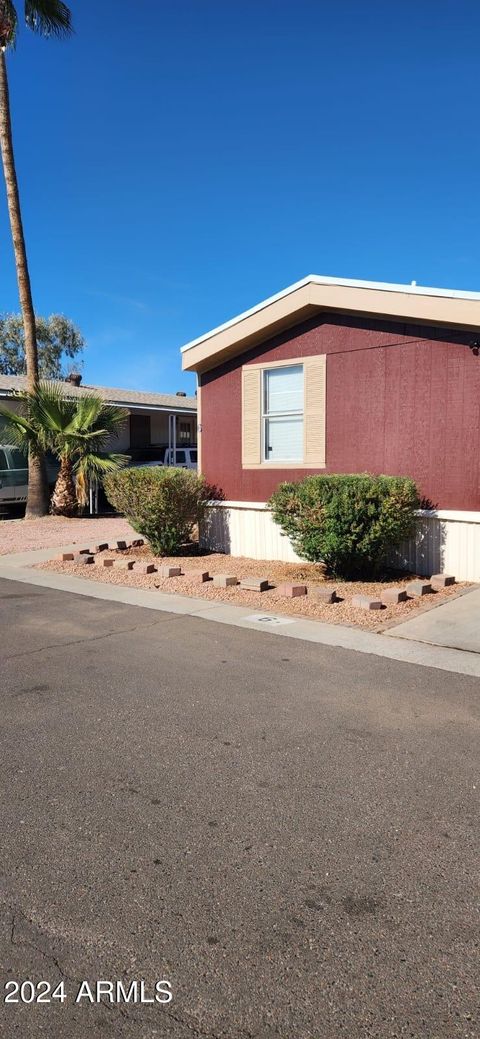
x: 77, y: 430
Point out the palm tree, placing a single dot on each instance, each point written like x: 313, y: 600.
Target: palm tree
x: 77, y: 430
x: 47, y: 18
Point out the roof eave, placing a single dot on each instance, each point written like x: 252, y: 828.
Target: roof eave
x: 314, y: 295
x: 10, y: 394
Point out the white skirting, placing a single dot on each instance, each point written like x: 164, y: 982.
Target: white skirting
x: 445, y: 542
x: 245, y: 528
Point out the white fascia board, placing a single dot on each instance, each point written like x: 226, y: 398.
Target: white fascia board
x: 152, y: 407
x: 317, y: 279
x: 247, y: 313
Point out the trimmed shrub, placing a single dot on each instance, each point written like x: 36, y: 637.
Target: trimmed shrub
x: 162, y: 503
x: 350, y: 523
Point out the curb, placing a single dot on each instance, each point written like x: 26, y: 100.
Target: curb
x: 17, y: 568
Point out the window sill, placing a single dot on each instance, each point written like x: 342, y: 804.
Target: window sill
x: 284, y: 465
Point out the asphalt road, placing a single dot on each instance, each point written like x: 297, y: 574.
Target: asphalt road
x: 286, y: 832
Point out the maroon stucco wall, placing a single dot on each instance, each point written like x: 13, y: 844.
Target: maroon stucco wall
x: 401, y: 400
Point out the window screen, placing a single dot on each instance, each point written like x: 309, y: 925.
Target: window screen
x: 283, y: 414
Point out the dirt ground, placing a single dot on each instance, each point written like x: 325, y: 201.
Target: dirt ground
x: 20, y: 535
x: 341, y: 612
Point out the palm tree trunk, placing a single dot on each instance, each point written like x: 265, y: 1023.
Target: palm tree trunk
x: 37, y: 501
x: 64, y: 498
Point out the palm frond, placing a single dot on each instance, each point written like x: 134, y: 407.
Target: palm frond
x: 114, y: 418
x: 81, y: 489
x: 93, y: 466
x: 79, y: 442
x: 92, y: 413
x: 8, y: 23
x: 21, y: 432
x: 48, y: 17
x: 79, y: 429
x: 49, y: 407
x: 88, y: 408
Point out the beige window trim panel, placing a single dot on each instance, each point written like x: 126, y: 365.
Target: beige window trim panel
x: 199, y: 424
x: 278, y: 364
x: 251, y: 416
x: 314, y: 413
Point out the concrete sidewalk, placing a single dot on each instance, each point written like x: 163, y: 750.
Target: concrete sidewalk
x: 391, y: 644
x: 455, y: 624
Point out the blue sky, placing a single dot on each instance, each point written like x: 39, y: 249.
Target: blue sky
x: 181, y: 161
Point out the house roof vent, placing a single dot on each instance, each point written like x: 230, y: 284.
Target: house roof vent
x: 180, y: 393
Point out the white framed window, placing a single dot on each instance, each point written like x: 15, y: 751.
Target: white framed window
x: 282, y: 414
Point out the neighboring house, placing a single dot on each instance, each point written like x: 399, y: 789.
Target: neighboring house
x: 340, y: 376
x: 156, y: 421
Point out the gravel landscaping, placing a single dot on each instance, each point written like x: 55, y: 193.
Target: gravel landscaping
x: 309, y: 574
x: 20, y: 535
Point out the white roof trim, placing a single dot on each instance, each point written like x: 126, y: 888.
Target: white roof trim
x: 317, y: 279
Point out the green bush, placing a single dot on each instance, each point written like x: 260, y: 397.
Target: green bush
x: 350, y: 523
x: 162, y: 503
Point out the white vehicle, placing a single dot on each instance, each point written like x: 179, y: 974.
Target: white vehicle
x: 13, y: 476
x: 181, y: 457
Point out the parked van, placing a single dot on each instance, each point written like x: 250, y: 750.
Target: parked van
x: 182, y: 458
x: 14, y: 475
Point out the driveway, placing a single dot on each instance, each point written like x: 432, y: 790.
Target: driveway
x: 286, y: 831
x: 455, y: 624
